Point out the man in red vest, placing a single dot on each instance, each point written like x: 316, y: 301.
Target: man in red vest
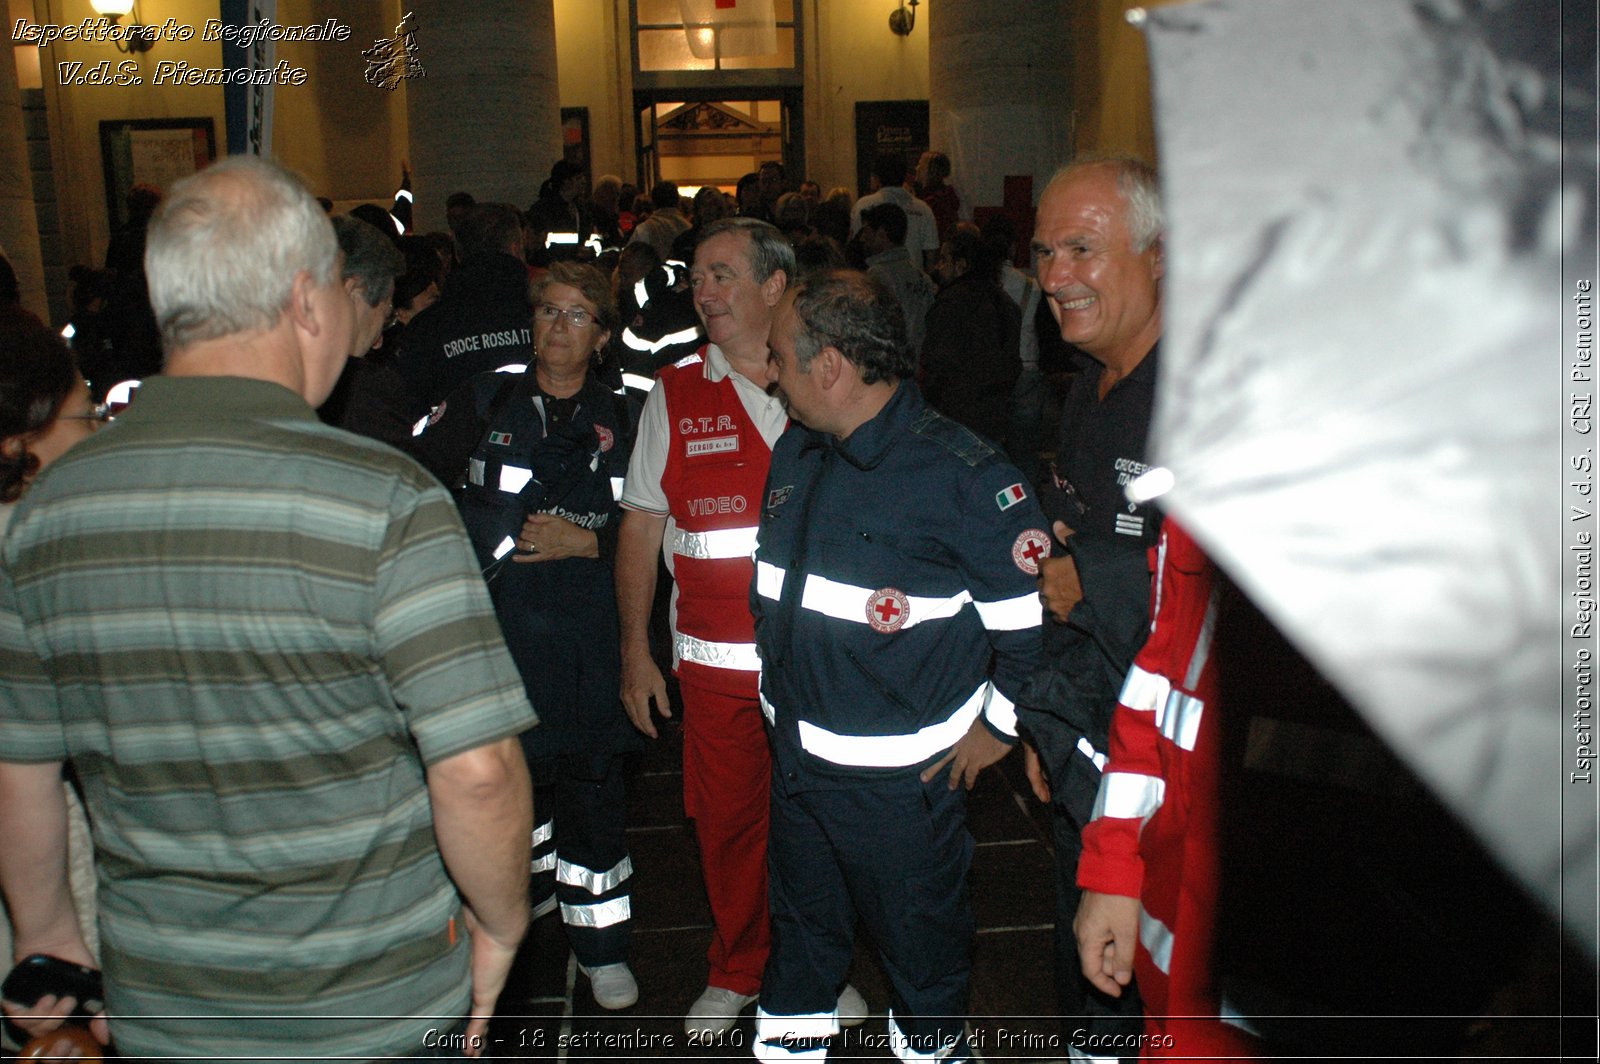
x: 693, y: 492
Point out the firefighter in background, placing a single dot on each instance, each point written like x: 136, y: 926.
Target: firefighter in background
x: 542, y: 455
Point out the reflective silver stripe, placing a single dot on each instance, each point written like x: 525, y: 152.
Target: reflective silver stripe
x: 1202, y: 643
x: 121, y: 393
x: 545, y: 863
x: 616, y: 488
x: 1076, y: 1054
x: 848, y: 602
x: 638, y: 382
x: 901, y: 1045
x: 475, y: 471
x: 1179, y: 719
x: 807, y: 1025
x: 601, y: 914
x: 512, y: 367
x: 741, y: 656
x: 716, y: 544
x: 514, y: 478
x: 1088, y: 751
x: 1001, y: 711
x: 767, y: 710
x: 421, y: 425
x: 1143, y: 690
x: 1228, y: 1014
x: 544, y: 832
x: 1011, y: 615
x: 1128, y: 795
x: 641, y: 294
x: 504, y: 548
x: 593, y: 882
x: 769, y: 581
x: 639, y: 343
x: 892, y: 751
x: 1156, y: 938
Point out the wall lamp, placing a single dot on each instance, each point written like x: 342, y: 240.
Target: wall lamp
x: 138, y: 41
x: 901, y: 21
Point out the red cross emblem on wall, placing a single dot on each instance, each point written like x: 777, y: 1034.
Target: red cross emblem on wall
x: 887, y: 610
x: 1031, y: 548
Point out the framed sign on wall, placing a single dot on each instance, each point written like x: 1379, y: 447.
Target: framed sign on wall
x: 151, y: 151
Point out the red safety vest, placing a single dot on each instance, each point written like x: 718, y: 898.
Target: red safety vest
x: 716, y: 471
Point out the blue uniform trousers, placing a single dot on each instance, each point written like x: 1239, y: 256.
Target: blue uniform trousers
x: 894, y: 853
x: 580, y: 854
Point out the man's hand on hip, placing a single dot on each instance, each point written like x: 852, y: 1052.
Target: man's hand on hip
x: 977, y: 750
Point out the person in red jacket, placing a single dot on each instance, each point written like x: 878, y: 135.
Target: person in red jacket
x: 1149, y: 868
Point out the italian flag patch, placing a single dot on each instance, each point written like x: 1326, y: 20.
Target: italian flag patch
x: 1010, y: 497
x: 502, y: 439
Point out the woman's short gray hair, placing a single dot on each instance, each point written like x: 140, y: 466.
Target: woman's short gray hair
x: 225, y: 247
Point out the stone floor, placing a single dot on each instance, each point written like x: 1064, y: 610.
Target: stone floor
x: 547, y: 1012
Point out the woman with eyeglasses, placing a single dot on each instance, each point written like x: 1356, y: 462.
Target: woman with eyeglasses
x: 537, y: 459
x: 45, y: 405
x: 45, y: 409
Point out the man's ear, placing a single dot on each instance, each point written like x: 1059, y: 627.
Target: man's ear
x: 828, y: 366
x: 303, y: 303
x: 1158, y: 258
x: 773, y: 287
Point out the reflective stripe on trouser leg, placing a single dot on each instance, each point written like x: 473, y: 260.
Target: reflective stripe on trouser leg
x: 593, y: 869
x: 914, y: 1050
x: 786, y: 1038
x: 727, y: 767
x: 542, y: 878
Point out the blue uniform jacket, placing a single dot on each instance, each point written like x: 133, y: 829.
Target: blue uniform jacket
x: 559, y: 617
x: 896, y: 575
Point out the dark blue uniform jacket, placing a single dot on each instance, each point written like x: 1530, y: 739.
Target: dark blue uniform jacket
x: 896, y: 575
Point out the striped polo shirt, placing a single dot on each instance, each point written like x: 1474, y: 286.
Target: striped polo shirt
x: 250, y: 632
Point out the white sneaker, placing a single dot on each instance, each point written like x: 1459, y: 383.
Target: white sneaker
x: 613, y: 985
x: 852, y: 1007
x: 714, y: 1012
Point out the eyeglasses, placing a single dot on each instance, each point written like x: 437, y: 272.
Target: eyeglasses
x: 576, y: 317
x: 100, y: 414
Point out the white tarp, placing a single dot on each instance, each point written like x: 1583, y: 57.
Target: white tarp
x: 1373, y: 299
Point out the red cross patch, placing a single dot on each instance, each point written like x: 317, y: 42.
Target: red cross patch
x: 1031, y: 548
x: 887, y: 610
x: 607, y: 440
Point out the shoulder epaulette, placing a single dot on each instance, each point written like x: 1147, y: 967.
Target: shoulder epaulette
x: 952, y: 436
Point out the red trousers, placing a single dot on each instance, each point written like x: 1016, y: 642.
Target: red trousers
x: 727, y: 778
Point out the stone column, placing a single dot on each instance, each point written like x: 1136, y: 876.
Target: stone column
x: 19, y: 225
x: 1000, y: 97
x: 486, y: 117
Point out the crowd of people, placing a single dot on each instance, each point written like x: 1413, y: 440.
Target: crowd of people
x: 388, y: 534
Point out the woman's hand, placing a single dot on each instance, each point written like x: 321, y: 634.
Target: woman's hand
x: 549, y: 538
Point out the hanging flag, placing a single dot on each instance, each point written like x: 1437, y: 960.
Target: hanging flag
x: 730, y: 28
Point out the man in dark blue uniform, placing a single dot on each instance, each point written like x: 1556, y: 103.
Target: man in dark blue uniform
x: 898, y: 557
x: 1097, y: 247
